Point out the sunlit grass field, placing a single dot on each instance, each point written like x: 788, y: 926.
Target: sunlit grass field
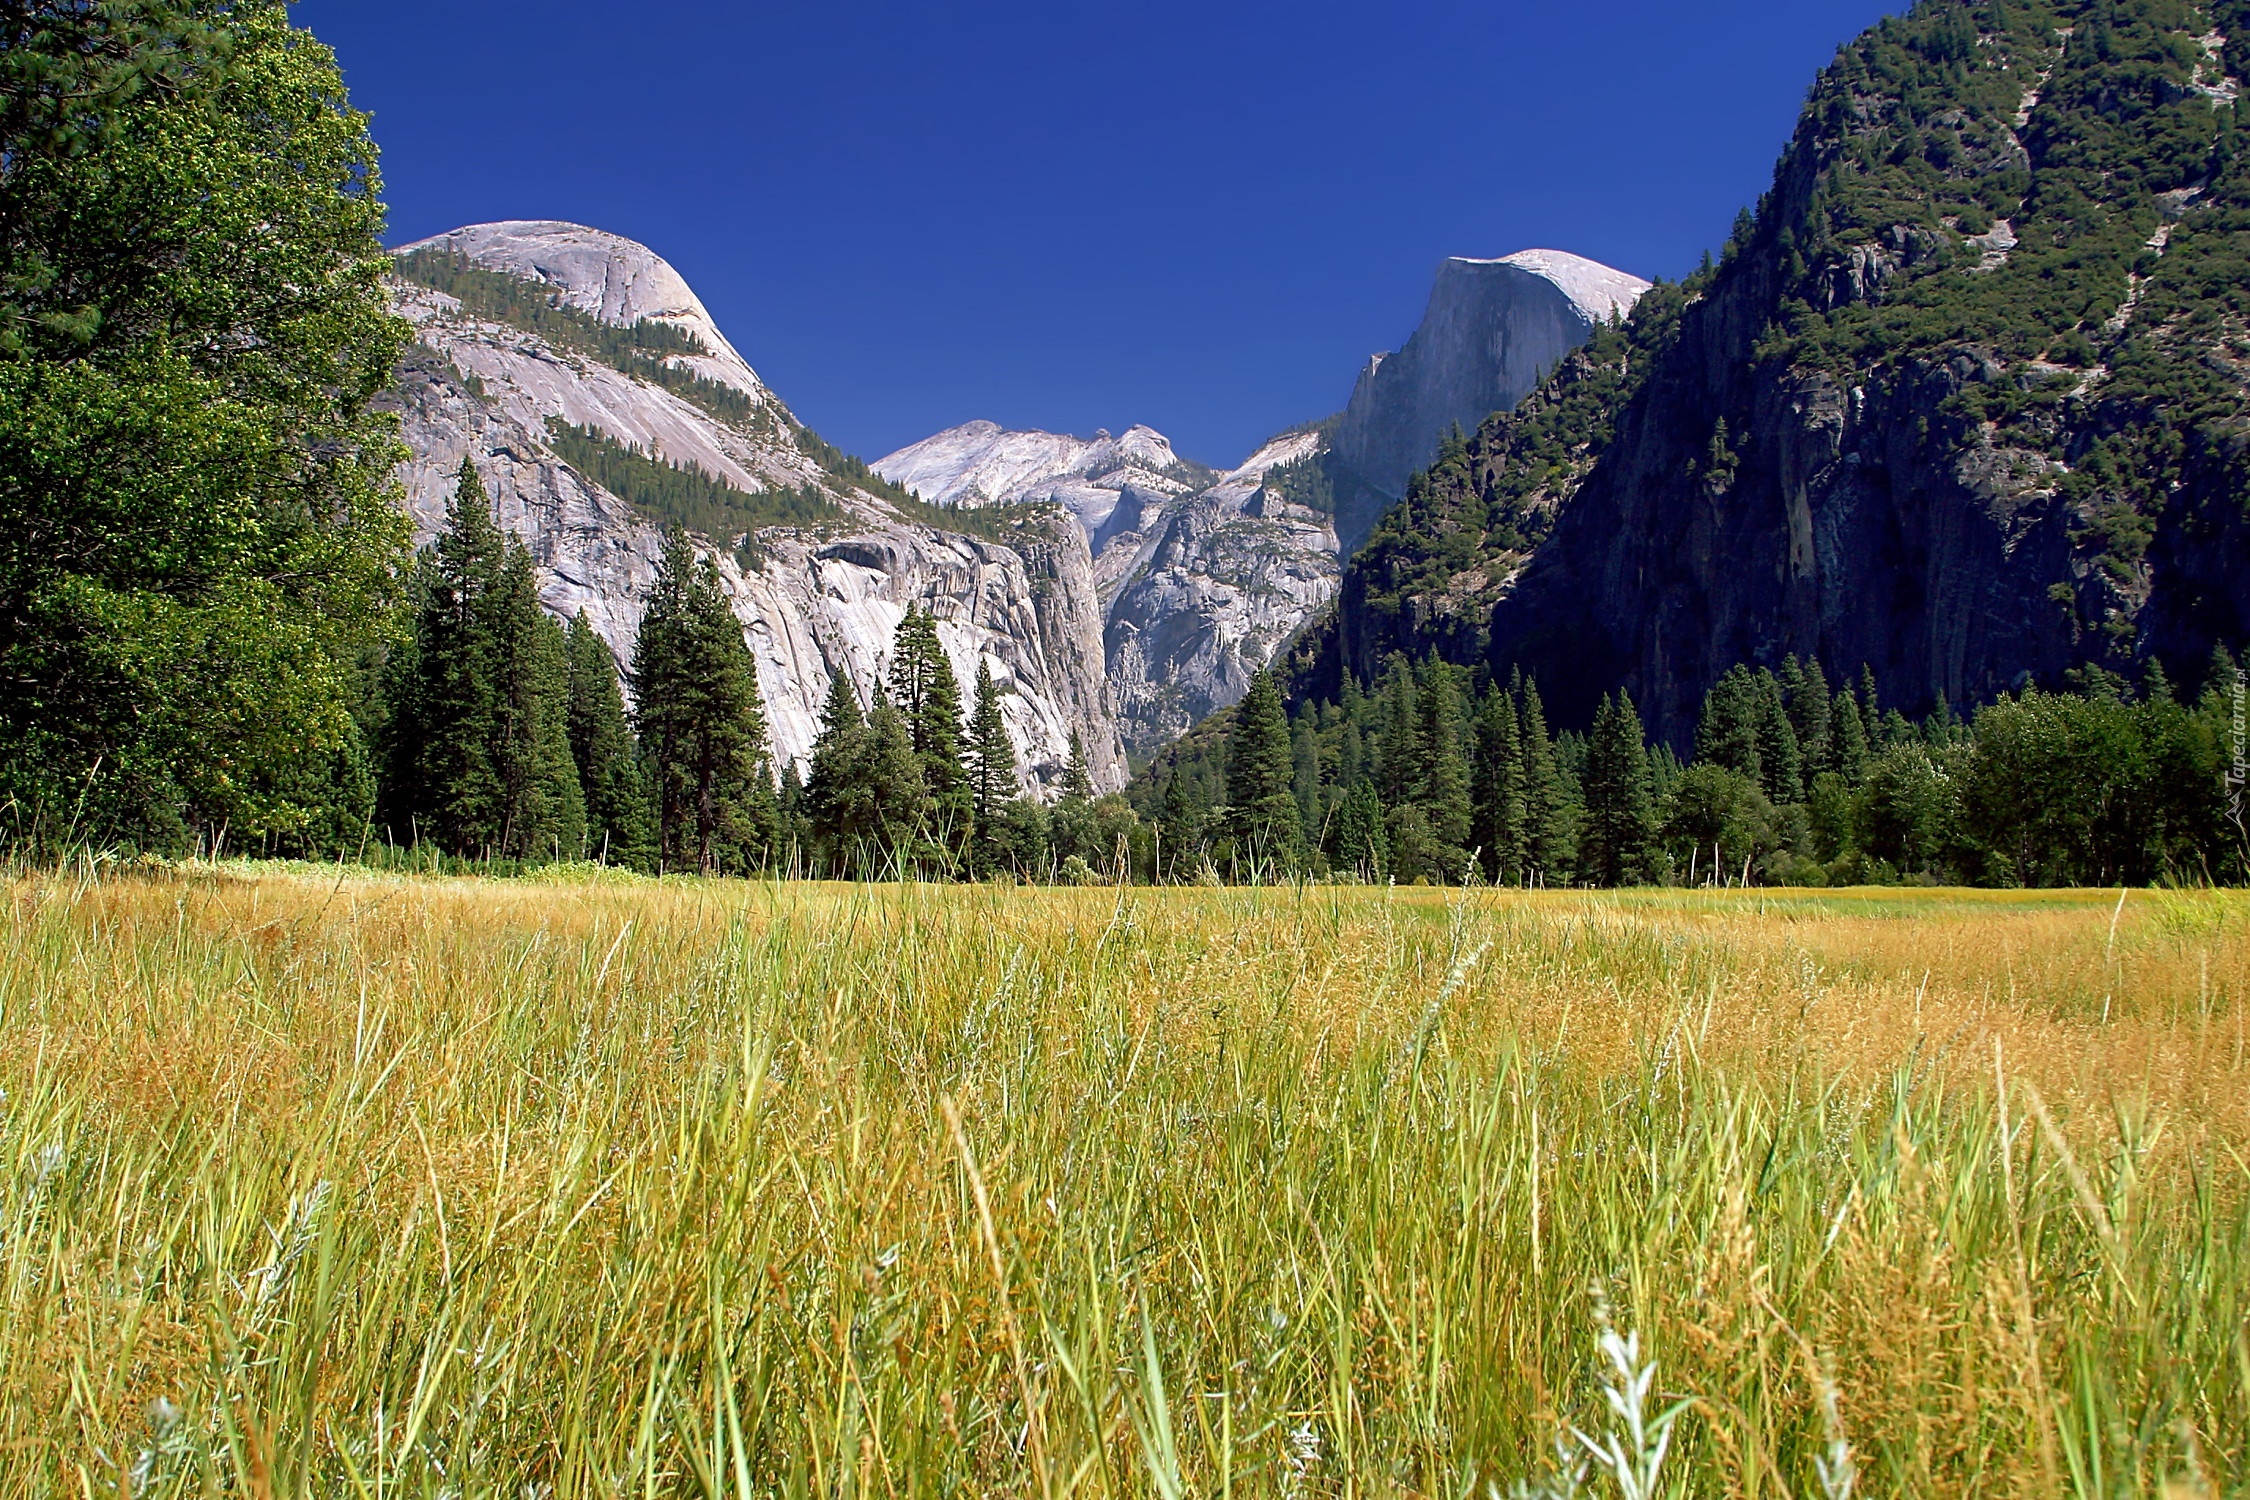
x: 338, y: 1184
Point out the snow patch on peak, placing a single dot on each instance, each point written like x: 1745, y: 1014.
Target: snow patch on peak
x: 603, y: 275
x: 1598, y: 290
x: 981, y: 463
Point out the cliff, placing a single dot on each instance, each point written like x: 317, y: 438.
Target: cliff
x: 1966, y: 402
x: 556, y: 336
x: 1202, y: 577
x: 1493, y: 330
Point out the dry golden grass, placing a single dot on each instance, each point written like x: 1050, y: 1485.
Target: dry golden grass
x: 337, y: 1183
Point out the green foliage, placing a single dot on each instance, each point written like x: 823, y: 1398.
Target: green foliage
x: 995, y: 842
x: 200, y: 546
x: 1262, y: 815
x: 928, y: 697
x: 1619, y: 845
x: 702, y: 723
x: 478, y: 754
x: 644, y: 350
x: 866, y: 800
x: 601, y: 743
x: 673, y: 495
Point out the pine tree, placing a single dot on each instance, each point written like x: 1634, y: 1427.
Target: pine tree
x: 1361, y: 844
x: 542, y: 810
x: 928, y: 697
x: 1442, y: 788
x: 1304, y: 748
x: 895, y: 779
x: 1499, y: 824
x: 992, y: 772
x: 446, y: 789
x: 1618, y: 846
x: 1849, y: 733
x: 1811, y: 714
x: 1728, y: 733
x: 1398, y: 769
x: 1071, y: 825
x: 1262, y: 808
x: 701, y: 721
x: 840, y: 807
x: 1179, y: 827
x: 601, y: 743
x: 1546, y: 795
x: 1780, y: 758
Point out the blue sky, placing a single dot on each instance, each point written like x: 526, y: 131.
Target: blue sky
x: 1198, y: 214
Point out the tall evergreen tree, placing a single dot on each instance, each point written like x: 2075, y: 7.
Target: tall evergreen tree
x: 443, y: 786
x: 1811, y: 714
x: 1848, y: 733
x: 542, y: 810
x: 702, y: 721
x: 1442, y: 787
x: 601, y: 742
x: 896, y: 781
x: 1261, y: 769
x: 1619, y: 843
x: 1780, y: 758
x: 1728, y: 733
x: 1361, y: 842
x: 841, y: 812
x: 928, y: 697
x: 1304, y: 747
x: 1547, y: 797
x: 1071, y: 825
x: 1499, y: 824
x: 992, y: 772
x: 1399, y: 740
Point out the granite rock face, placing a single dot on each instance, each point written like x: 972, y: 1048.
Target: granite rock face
x: 813, y: 601
x: 1202, y: 577
x: 1493, y: 330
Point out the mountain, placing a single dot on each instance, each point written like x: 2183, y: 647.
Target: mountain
x: 1202, y: 577
x: 1966, y: 402
x: 1492, y: 332
x: 1205, y: 577
x: 601, y: 404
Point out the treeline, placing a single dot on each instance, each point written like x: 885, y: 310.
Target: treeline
x: 1431, y: 776
x: 495, y: 735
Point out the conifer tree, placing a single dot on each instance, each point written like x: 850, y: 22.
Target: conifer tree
x: 1361, y: 842
x: 1399, y: 736
x: 1179, y: 828
x: 701, y: 720
x: 1262, y: 807
x: 1849, y: 735
x: 1780, y: 758
x: 1304, y: 748
x: 1547, y: 797
x: 840, y: 807
x: 1618, y: 845
x: 445, y: 787
x: 1071, y: 826
x: 1443, y: 783
x: 542, y: 809
x: 992, y: 772
x: 928, y: 698
x: 1728, y: 733
x: 601, y: 742
x: 1811, y: 714
x: 1499, y: 823
x: 896, y: 783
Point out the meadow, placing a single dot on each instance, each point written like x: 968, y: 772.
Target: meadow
x: 321, y: 1182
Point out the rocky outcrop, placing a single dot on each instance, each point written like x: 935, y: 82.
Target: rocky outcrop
x: 1964, y: 406
x: 1493, y: 330
x: 814, y: 600
x: 1202, y: 578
